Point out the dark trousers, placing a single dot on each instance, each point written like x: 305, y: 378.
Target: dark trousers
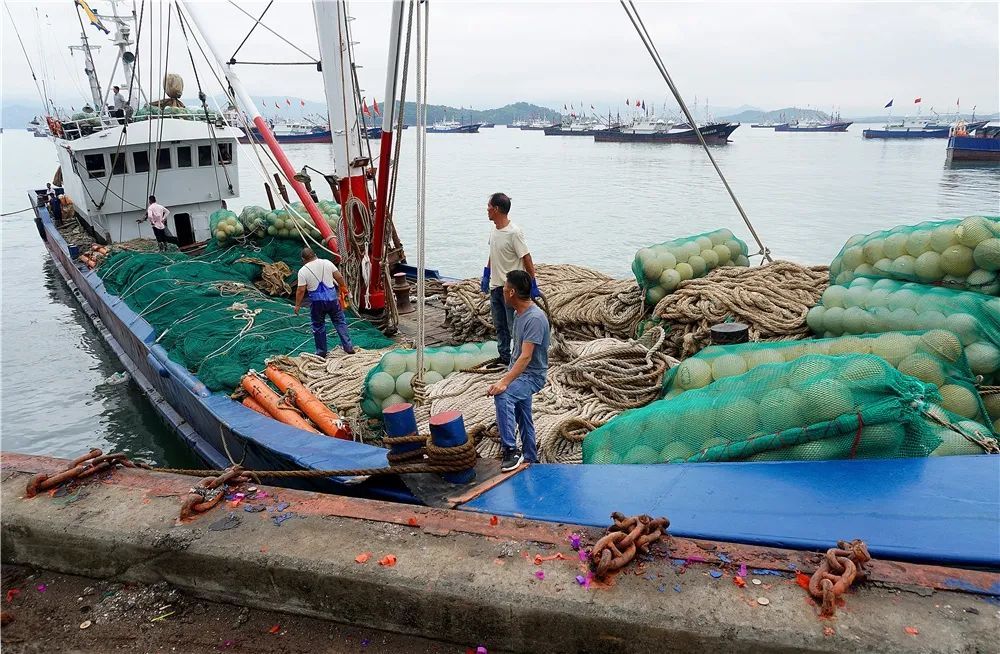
x: 55, y: 208
x: 318, y: 311
x: 161, y: 237
x: 503, y: 322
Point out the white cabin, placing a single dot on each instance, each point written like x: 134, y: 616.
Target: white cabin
x: 189, y: 165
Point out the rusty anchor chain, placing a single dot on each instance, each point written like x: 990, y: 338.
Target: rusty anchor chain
x: 839, y: 568
x: 626, y: 537
x: 81, y: 467
x: 210, y: 491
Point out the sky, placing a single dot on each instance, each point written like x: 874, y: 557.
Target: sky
x: 850, y: 56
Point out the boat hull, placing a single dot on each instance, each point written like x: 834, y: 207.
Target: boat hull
x: 461, y: 129
x: 714, y: 134
x: 556, y: 130
x: 835, y: 127
x: 212, y: 423
x: 325, y: 136
x: 905, y: 134
x: 973, y: 148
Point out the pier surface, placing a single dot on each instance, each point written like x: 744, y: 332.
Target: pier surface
x: 468, y: 578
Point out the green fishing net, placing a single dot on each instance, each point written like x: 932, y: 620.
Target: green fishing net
x: 390, y: 381
x: 962, y: 254
x: 208, y: 315
x: 658, y: 269
x: 935, y: 357
x: 870, y: 306
x: 815, y: 408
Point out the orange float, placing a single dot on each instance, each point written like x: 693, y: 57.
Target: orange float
x: 328, y: 422
x: 271, y: 402
x: 251, y: 404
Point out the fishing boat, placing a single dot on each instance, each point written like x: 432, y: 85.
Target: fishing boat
x: 537, y: 125
x: 907, y: 129
x: 453, y: 127
x: 659, y: 130
x: 782, y: 504
x: 293, y: 132
x: 814, y: 126
x: 577, y: 126
x: 981, y: 143
x: 38, y: 128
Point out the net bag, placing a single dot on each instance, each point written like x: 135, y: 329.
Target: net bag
x: 659, y: 269
x: 962, y: 254
x: 225, y: 226
x: 815, y: 408
x: 870, y: 306
x: 391, y: 381
x: 935, y: 357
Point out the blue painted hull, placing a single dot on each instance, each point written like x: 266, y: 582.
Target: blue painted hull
x: 324, y: 136
x: 905, y: 134
x: 833, y: 127
x: 973, y: 148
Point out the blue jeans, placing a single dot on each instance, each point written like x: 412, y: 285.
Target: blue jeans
x: 514, y: 407
x: 318, y: 311
x: 503, y: 322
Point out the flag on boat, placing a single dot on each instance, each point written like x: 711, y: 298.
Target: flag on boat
x: 917, y: 101
x: 277, y: 106
x: 364, y: 108
x: 91, y: 16
x: 637, y: 103
x: 375, y: 107
x: 302, y: 102
x: 591, y: 107
x: 288, y: 102
x: 888, y: 104
x: 644, y: 105
x: 627, y: 102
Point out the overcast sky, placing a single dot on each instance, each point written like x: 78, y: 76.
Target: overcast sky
x: 486, y: 54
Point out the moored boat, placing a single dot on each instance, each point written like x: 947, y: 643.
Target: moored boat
x: 981, y: 143
x: 907, y: 129
x: 661, y: 131
x: 453, y: 127
x: 814, y: 126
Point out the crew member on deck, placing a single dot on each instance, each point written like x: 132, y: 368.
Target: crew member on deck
x: 508, y: 251
x: 157, y: 214
x: 120, y: 105
x: 322, y: 279
x: 526, y: 375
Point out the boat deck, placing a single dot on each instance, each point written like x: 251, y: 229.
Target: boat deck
x: 435, y: 332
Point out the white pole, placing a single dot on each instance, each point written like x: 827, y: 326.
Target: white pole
x: 392, y: 67
x: 337, y: 78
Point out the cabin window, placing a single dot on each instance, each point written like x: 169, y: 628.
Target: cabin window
x: 140, y: 162
x: 225, y: 153
x: 184, y: 156
x: 163, y: 159
x: 118, y: 163
x: 204, y: 155
x: 95, y: 165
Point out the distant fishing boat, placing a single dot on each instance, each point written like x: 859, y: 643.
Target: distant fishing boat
x: 908, y: 129
x: 537, y: 125
x: 832, y: 125
x: 453, y: 127
x: 979, y: 144
x: 664, y: 131
x: 577, y: 126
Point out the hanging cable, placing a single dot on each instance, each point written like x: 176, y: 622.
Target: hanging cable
x: 257, y: 21
x: 422, y: 32
x: 27, y: 59
x: 647, y: 40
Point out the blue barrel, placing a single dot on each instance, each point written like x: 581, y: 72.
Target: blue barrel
x: 448, y: 430
x: 74, y: 251
x: 400, y: 421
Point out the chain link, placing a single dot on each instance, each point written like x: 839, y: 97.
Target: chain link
x: 841, y: 565
x: 626, y: 537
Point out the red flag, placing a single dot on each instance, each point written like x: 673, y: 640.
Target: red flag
x: 364, y: 108
x: 288, y: 102
x: 917, y: 101
x: 302, y: 102
x: 375, y: 107
x: 637, y: 103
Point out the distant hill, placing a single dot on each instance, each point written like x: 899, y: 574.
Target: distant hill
x: 776, y: 116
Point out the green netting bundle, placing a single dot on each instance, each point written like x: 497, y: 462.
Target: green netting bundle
x: 208, y: 315
x: 815, y: 408
x: 963, y: 254
x: 225, y: 225
x: 658, y: 269
x: 185, y: 113
x: 296, y: 221
x: 254, y: 220
x: 869, y: 306
x: 935, y: 357
x: 390, y: 382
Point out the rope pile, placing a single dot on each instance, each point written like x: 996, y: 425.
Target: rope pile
x: 772, y: 300
x: 583, y: 304
x: 594, y: 382
x: 272, y: 276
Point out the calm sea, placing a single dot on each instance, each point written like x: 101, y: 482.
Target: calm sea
x: 592, y: 204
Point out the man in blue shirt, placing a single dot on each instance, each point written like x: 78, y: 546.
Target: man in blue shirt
x: 529, y: 363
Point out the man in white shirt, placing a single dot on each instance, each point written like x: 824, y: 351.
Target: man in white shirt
x: 508, y: 251
x: 157, y: 214
x: 321, y: 279
x: 120, y: 104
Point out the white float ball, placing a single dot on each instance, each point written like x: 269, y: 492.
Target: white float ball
x: 404, y: 385
x: 393, y: 364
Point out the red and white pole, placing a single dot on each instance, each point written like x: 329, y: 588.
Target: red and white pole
x: 329, y: 240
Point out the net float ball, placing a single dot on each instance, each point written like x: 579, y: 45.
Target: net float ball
x: 442, y: 363
x: 893, y: 347
x: 894, y: 245
x: 941, y: 343
x: 676, y: 452
x: 431, y: 377
x: 669, y: 280
x: 703, y: 243
x: 960, y: 400
x: 723, y: 253
x: 927, y: 267
x: 827, y: 399
x: 728, y: 365
x: 381, y: 385
x: 814, y: 318
x: 983, y: 358
x: 693, y: 373
x: 780, y: 409
x: 404, y: 385
x: 973, y: 230
x: 833, y: 296
x: 711, y: 258
x: 873, y: 251
x: 987, y: 254
x: 957, y: 260
x: 917, y: 243
x: 698, y: 265
x: 685, y: 270
x: 833, y: 320
x: 393, y: 364
x: 391, y: 400
x: 924, y: 367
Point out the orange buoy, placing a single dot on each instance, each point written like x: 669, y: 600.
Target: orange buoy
x: 250, y: 403
x: 328, y: 422
x: 271, y: 402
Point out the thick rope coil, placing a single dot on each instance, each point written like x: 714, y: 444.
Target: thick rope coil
x: 772, y: 300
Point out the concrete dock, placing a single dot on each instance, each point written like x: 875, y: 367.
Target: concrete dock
x: 470, y: 578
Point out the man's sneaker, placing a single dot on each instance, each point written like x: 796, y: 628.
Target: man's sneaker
x: 511, y: 459
x: 495, y: 366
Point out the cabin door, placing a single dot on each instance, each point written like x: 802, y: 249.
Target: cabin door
x: 182, y: 223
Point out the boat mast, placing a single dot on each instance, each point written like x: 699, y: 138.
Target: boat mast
x: 349, y: 164
x: 90, y: 68
x: 329, y: 240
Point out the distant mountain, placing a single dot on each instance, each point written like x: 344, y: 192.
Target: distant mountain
x: 776, y: 116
